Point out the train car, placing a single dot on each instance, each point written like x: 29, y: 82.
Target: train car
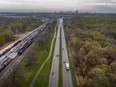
x: 27, y: 44
x: 24, y: 47
x: 7, y: 61
x: 16, y: 43
x: 2, y: 58
x: 7, y: 49
x: 20, y: 51
x: 4, y: 63
x: 1, y: 67
x: 13, y: 55
x: 1, y: 54
x: 12, y: 50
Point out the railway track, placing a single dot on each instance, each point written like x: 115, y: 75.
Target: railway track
x: 12, y: 58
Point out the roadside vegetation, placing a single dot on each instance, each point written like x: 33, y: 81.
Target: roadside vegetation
x: 27, y: 69
x: 92, y: 41
x: 43, y: 78
x: 11, y: 27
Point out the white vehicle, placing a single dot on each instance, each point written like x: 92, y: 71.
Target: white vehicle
x: 42, y: 29
x: 67, y: 66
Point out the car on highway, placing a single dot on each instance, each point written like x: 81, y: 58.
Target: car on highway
x: 67, y: 66
x: 57, y: 55
x: 53, y: 73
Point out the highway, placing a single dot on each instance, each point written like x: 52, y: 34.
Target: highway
x: 67, y: 79
x: 15, y: 61
x: 53, y: 79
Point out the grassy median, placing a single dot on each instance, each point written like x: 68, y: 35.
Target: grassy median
x: 60, y: 63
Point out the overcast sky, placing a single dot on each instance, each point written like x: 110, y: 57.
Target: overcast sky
x: 59, y: 5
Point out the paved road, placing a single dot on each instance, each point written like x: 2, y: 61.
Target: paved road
x: 38, y: 72
x: 67, y: 80
x: 53, y: 79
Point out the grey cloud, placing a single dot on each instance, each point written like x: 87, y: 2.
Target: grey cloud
x: 105, y: 8
x: 58, y: 5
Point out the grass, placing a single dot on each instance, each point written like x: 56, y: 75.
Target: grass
x: 43, y: 77
x: 60, y: 63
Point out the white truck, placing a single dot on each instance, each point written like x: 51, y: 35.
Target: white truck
x: 67, y: 66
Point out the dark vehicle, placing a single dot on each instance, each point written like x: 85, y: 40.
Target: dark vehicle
x: 21, y: 50
x: 26, y: 45
x: 1, y: 54
x: 1, y: 67
x: 16, y: 43
x: 53, y: 73
x: 7, y: 62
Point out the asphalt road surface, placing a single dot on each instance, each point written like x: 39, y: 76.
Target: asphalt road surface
x: 67, y: 80
x: 53, y: 79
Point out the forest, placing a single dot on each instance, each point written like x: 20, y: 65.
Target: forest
x: 11, y: 27
x: 92, y: 41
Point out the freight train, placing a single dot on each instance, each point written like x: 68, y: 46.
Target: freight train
x: 9, y: 54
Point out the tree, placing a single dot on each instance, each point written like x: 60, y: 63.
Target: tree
x: 33, y: 56
x: 112, y: 79
x: 98, y: 78
x: 91, y: 60
x: 91, y: 45
x: 104, y: 67
x: 2, y: 39
x: 111, y: 54
x: 113, y: 66
x: 103, y: 61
